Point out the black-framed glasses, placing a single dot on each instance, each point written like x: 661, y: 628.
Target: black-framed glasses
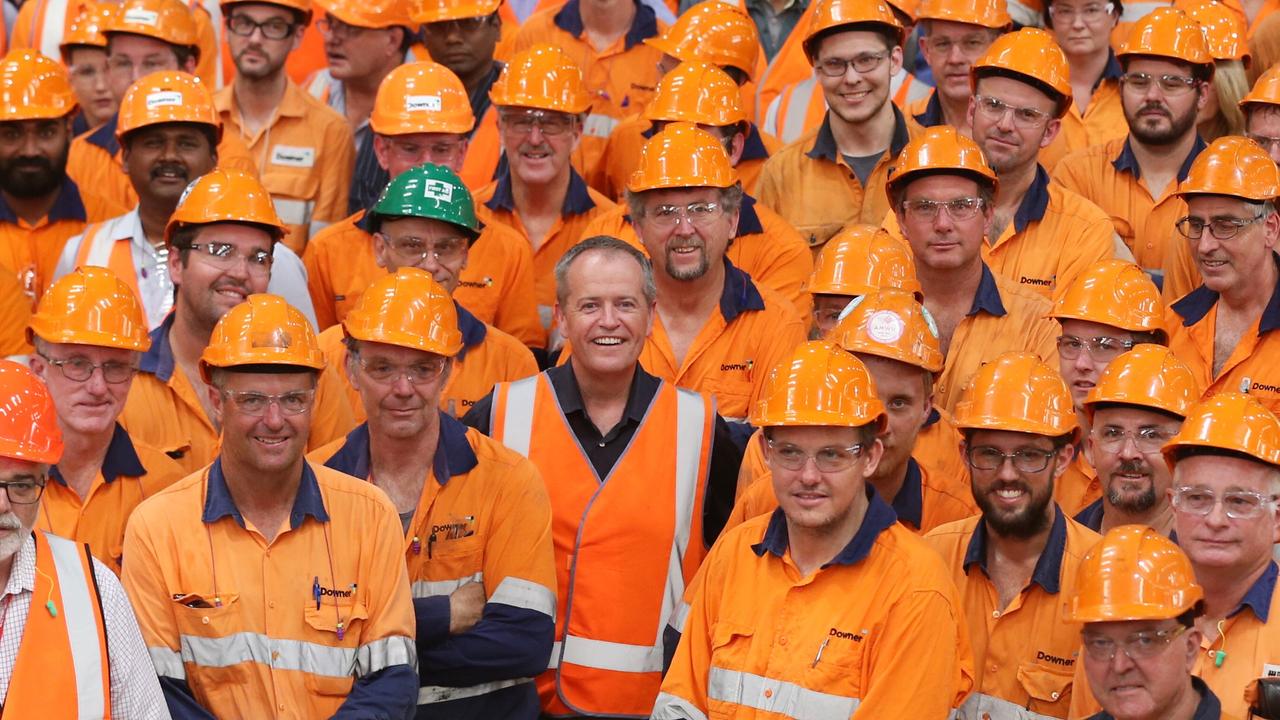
x: 1138, y: 646
x: 864, y: 63
x: 420, y: 373
x: 1102, y: 348
x: 1169, y: 84
x: 1222, y: 228
x: 254, y: 403
x: 1024, y: 117
x: 827, y: 459
x: 224, y: 255
x: 79, y: 369
x: 273, y: 29
x: 23, y: 492
x: 1148, y: 440
x: 959, y: 209
x: 1028, y: 460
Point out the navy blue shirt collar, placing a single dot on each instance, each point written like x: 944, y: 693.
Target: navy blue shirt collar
x: 908, y: 504
x: 1112, y: 71
x: 739, y: 295
x: 748, y: 220
x: 1091, y: 516
x: 932, y: 115
x: 159, y: 360
x: 987, y: 298
x: 824, y: 143
x: 1034, y: 202
x: 218, y: 502
x: 577, y: 201
x: 879, y: 517
x: 1048, y: 571
x: 454, y: 455
x: 472, y: 329
x: 67, y: 205
x: 105, y: 137
x: 121, y: 459
x: 643, y: 26
x: 1196, y: 304
x: 1126, y: 161
x: 1258, y: 598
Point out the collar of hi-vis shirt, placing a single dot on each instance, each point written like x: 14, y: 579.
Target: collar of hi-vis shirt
x: 292, y: 104
x: 1200, y: 301
x: 932, y: 115
x: 643, y: 26
x: 1258, y: 597
x: 1034, y: 202
x: 752, y: 149
x: 739, y: 295
x: 569, y: 394
x: 908, y: 504
x: 218, y: 502
x: 472, y: 329
x: 67, y: 205
x: 158, y: 360
x: 1048, y: 571
x: 1209, y: 708
x: 121, y: 459
x: 824, y: 143
x: 1111, y: 71
x: 1126, y: 161
x: 987, y: 298
x: 878, y: 518
x: 453, y: 456
x: 577, y: 201
x: 105, y: 137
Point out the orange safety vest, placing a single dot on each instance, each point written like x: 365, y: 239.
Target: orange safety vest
x: 99, y: 248
x: 62, y: 665
x: 626, y: 545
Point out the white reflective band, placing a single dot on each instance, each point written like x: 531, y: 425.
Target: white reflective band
x: 384, y: 653
x: 55, y: 12
x: 670, y: 707
x: 776, y: 696
x: 439, y: 693
x: 1025, y: 15
x: 317, y: 226
x: 680, y: 617
x: 690, y: 419
x: 293, y: 212
x: 432, y: 588
x: 279, y: 653
x: 793, y: 123
x: 526, y: 594
x: 601, y: 655
x: 167, y: 662
x: 517, y: 431
x: 988, y: 707
x: 599, y: 125
x: 1135, y: 11
x: 103, y: 241
x: 81, y: 623
x: 770, y: 124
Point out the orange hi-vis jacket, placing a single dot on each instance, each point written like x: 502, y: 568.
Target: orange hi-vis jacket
x: 626, y: 546
x: 488, y: 357
x: 809, y: 184
x: 131, y: 472
x: 1102, y: 120
x: 1108, y: 175
x: 62, y: 666
x: 285, y: 629
x: 790, y: 65
x: 497, y: 284
x: 1024, y: 654
x: 875, y: 633
x: 801, y: 106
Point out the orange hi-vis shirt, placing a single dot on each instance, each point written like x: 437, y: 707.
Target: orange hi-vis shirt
x: 131, y: 472
x: 1078, y: 487
x: 809, y: 184
x: 1102, y: 120
x: 163, y: 410
x: 304, y: 156
x: 488, y: 357
x: 875, y: 633
x: 483, y: 517
x: 1024, y: 654
x: 1003, y: 318
x: 801, y: 106
x: 30, y: 252
x: 495, y: 202
x: 1108, y: 175
x: 285, y: 629
x: 496, y: 285
x: 1254, y: 363
x: 95, y: 161
x: 1181, y: 271
x: 15, y: 313
x: 765, y: 247
x: 621, y: 78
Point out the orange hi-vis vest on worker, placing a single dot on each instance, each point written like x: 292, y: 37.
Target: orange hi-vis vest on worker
x: 61, y: 669
x: 801, y: 107
x: 626, y: 545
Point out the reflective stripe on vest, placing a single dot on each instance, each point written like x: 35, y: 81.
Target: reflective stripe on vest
x: 78, y: 603
x: 46, y: 36
x: 1135, y: 11
x: 597, y: 125
x: 793, y: 109
x: 307, y: 657
x: 437, y: 693
x: 988, y: 707
x: 907, y: 88
x: 318, y: 85
x: 293, y: 212
x: 100, y: 248
x: 670, y: 707
x: 1027, y: 13
x: 777, y: 696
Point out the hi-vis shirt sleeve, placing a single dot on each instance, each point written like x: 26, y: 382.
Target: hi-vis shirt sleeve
x: 331, y: 418
x: 340, y: 161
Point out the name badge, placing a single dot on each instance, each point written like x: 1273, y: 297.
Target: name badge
x: 1270, y: 671
x: 301, y: 157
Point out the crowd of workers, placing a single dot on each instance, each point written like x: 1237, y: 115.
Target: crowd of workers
x: 516, y: 359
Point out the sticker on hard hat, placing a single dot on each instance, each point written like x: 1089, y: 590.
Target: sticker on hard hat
x: 277, y: 338
x: 164, y: 98
x: 885, y: 326
x: 139, y: 16
x: 186, y: 191
x: 437, y: 190
x: 422, y: 103
x: 848, y: 309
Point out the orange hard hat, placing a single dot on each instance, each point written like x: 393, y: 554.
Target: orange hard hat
x: 1234, y: 166
x: 544, y: 77
x: 697, y: 92
x: 431, y: 11
x: 941, y: 150
x: 225, y: 196
x: 409, y: 309
x: 166, y: 97
x: 1133, y: 573
x: 992, y: 14
x: 373, y: 14
x: 1147, y: 376
x: 1116, y: 293
x: 421, y: 97
x: 892, y: 324
x: 1168, y: 33
x: 1224, y: 30
x: 828, y: 14
x: 28, y: 421
x: 1019, y: 393
x: 682, y: 155
x: 906, y: 7
x: 1031, y: 54
x: 712, y: 31
x: 817, y: 383
x: 1233, y: 422
x: 168, y: 21
x: 262, y: 330
x: 860, y: 259
x: 91, y: 306
x: 1265, y: 90
x: 33, y: 87
x: 87, y: 26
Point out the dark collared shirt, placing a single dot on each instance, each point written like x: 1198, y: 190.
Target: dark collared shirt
x: 878, y: 518
x: 1209, y: 708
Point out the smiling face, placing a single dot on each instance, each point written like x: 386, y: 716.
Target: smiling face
x: 684, y: 251
x: 817, y: 501
x: 856, y: 97
x: 91, y: 406
x: 206, y: 289
x: 396, y: 407
x: 1235, y: 261
x: 1015, y: 503
x: 603, y: 313
x: 1133, y: 480
x: 161, y: 160
x: 271, y: 443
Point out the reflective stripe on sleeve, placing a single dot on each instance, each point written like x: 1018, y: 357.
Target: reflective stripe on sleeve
x: 384, y: 653
x: 293, y: 212
x: 167, y: 662
x: 777, y: 696
x: 521, y: 593
x: 680, y: 617
x: 82, y: 624
x: 432, y: 588
x: 988, y: 707
x: 670, y: 707
x: 439, y: 693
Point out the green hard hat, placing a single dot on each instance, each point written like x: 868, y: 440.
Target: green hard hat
x: 428, y: 191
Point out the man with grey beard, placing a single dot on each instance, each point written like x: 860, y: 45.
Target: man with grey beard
x: 715, y: 329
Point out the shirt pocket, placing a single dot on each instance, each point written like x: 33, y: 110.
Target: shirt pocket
x: 730, y: 654
x: 329, y: 666
x: 210, y: 640
x: 733, y: 396
x: 1048, y: 688
x: 460, y: 559
x: 293, y: 193
x: 818, y: 235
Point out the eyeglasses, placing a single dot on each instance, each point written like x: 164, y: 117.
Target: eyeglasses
x: 970, y: 46
x: 697, y: 214
x: 522, y: 122
x: 273, y: 29
x: 331, y: 25
x: 864, y: 63
x: 23, y: 492
x: 79, y: 369
x: 1148, y: 440
x: 224, y: 255
x: 1089, y: 13
x: 1237, y: 504
x: 439, y: 153
x: 1028, y: 460
x: 1169, y: 84
x: 253, y: 403
x: 1268, y: 143
x: 1102, y: 349
x: 960, y: 209
x: 383, y: 372
x: 87, y: 72
x: 119, y: 65
x: 1223, y: 228
x: 1024, y: 117
x: 1138, y: 646
x: 463, y: 26
x: 415, y: 250
x: 827, y: 459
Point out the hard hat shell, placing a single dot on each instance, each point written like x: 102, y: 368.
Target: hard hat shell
x: 830, y: 14
x: 431, y: 11
x: 1149, y: 376
x: 543, y: 77
x: 87, y: 26
x: 91, y: 306
x: 992, y: 14
x: 1231, y: 421
x: 712, y: 31
x: 1133, y: 573
x: 1116, y: 293
x: 165, y: 20
x: 373, y: 14
x: 1224, y: 30
x: 1168, y: 33
x: 817, y: 383
x: 860, y: 259
x: 428, y: 191
x: 941, y: 150
x: 1032, y: 55
x: 262, y: 330
x: 892, y: 324
x: 1265, y: 90
x: 28, y: 421
x: 168, y: 96
x: 302, y: 6
x: 421, y: 97
x: 682, y: 155
x: 409, y: 309
x: 1234, y: 166
x: 224, y: 195
x: 697, y: 92
x: 1017, y: 392
x: 33, y: 87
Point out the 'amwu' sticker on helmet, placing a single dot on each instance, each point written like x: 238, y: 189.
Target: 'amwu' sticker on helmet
x: 884, y: 326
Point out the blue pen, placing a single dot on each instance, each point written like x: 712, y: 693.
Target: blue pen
x: 315, y: 590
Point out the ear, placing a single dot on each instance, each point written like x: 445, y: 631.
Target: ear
x: 873, y: 455
x: 1050, y: 132
x: 1062, y: 459
x: 737, y: 144
x: 1089, y: 449
x: 37, y: 364
x: 381, y: 151
x: 895, y: 60
x: 972, y: 110
x: 215, y: 404
x: 381, y: 252
x: 176, y: 266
